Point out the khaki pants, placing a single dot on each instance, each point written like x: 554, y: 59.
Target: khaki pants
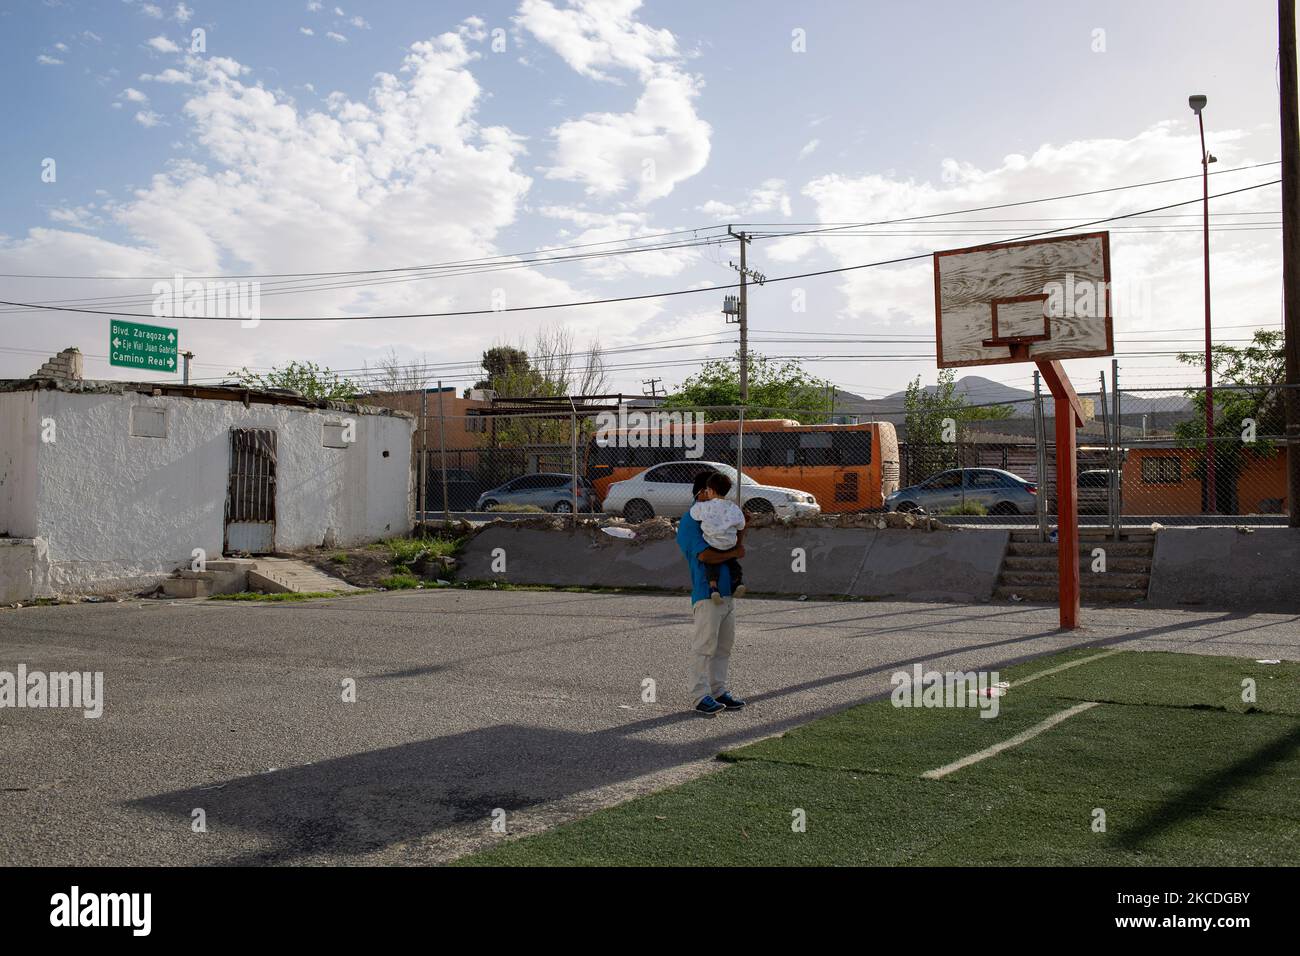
x: 715, y: 632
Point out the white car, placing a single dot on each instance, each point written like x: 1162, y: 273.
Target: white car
x: 665, y: 490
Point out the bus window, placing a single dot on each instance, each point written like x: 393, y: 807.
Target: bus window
x: 757, y: 449
x: 854, y: 447
x: 816, y: 448
x: 716, y: 447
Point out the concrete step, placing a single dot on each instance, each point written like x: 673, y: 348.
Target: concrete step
x: 1050, y: 595
x: 222, y: 582
x: 279, y: 575
x: 1108, y: 580
x: 237, y: 565
x: 1090, y: 535
x: 187, y: 587
x: 1113, y: 549
x: 1047, y: 562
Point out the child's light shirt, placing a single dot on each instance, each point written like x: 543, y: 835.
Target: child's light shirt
x: 720, y: 519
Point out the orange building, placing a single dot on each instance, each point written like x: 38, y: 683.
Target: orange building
x: 1165, y: 480
x: 463, y: 429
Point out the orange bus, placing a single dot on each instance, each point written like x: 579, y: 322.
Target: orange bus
x: 845, y: 467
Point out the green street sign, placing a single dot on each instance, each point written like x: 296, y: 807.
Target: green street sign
x: 133, y: 345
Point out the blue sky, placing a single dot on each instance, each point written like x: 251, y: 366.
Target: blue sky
x: 395, y: 134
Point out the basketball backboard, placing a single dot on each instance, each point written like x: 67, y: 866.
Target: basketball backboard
x: 1036, y: 300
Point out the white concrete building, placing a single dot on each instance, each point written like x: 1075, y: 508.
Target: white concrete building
x: 107, y: 486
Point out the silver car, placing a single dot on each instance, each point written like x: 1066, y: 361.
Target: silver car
x: 666, y: 489
x: 999, y: 492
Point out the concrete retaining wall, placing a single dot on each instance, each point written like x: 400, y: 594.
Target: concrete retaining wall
x: 911, y: 565
x: 1225, y: 568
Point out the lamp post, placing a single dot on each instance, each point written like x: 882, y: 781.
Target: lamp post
x: 1197, y: 103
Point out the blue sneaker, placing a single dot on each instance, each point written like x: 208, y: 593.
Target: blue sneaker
x: 708, y: 706
x: 729, y: 702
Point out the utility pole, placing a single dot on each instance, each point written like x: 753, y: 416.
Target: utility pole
x: 653, y: 385
x: 185, y: 369
x: 1197, y: 103
x: 742, y: 313
x: 1290, y: 246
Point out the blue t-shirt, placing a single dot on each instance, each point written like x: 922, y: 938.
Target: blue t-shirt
x: 691, y: 540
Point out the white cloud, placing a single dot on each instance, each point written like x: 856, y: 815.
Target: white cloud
x: 662, y: 141
x: 719, y: 210
x: 92, y: 36
x: 182, y: 13
x: 313, y: 5
x: 769, y: 196
x: 654, y: 147
x: 337, y: 37
x: 1167, y: 262
x: 134, y: 96
x: 163, y: 45
x: 148, y: 118
x: 410, y: 173
x: 360, y: 23
x: 151, y: 10
x: 307, y: 31
x: 592, y: 34
x: 474, y: 28
x: 61, y: 47
x: 809, y: 148
x: 166, y: 76
x: 77, y: 217
x: 44, y: 60
x: 612, y: 230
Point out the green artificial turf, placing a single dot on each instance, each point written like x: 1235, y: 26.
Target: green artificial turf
x: 1185, y: 771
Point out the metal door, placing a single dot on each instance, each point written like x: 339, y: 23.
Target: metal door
x: 250, y: 498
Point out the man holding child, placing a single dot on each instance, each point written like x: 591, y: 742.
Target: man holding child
x: 714, y: 586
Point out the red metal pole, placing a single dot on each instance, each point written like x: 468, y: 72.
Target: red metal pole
x: 1069, y: 415
x: 1211, y: 499
x: 1067, y: 515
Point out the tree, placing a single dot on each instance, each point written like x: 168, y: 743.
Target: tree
x: 311, y: 380
x: 503, y: 366
x: 552, y: 368
x: 391, y: 374
x: 928, y: 411
x: 1253, y: 375
x: 936, y: 419
x: 777, y: 389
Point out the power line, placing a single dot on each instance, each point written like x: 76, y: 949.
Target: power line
x: 632, y: 298
x: 1027, y: 202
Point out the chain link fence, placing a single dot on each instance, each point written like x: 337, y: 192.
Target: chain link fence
x: 1143, y: 458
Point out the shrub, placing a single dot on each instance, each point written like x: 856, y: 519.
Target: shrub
x: 966, y: 508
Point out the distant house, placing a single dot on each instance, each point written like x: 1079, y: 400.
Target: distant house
x: 109, y: 485
x: 1164, y: 479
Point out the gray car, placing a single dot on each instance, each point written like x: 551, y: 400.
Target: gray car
x: 548, y: 491
x: 999, y: 492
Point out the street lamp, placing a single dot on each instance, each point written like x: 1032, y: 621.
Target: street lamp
x: 1197, y: 103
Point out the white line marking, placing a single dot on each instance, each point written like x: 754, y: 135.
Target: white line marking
x: 1015, y: 741
x: 1063, y: 667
